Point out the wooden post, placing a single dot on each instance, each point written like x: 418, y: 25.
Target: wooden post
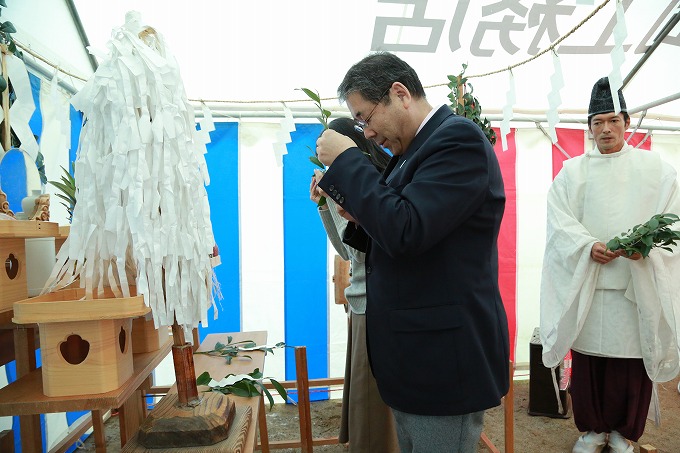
x: 262, y: 427
x: 304, y: 409
x: 7, y: 441
x: 24, y: 352
x: 185, y: 374
x: 98, y: 428
x: 509, y: 413
x: 6, y: 132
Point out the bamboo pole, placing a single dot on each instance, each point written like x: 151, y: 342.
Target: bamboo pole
x: 461, y: 92
x: 6, y: 131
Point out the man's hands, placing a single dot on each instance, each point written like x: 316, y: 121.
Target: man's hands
x: 600, y: 254
x: 315, y: 193
x: 328, y: 147
x: 331, y: 144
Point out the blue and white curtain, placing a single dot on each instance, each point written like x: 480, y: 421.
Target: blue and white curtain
x: 274, y: 273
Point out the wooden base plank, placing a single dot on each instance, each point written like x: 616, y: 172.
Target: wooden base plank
x: 233, y: 444
x: 171, y: 425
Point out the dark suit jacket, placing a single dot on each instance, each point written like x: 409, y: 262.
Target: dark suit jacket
x: 436, y: 326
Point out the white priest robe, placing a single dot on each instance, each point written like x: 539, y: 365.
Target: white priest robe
x: 626, y: 308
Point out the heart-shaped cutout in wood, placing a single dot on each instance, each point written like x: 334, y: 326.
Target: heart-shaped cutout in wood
x: 74, y: 350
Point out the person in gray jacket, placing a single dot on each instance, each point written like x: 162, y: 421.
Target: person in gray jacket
x: 367, y: 422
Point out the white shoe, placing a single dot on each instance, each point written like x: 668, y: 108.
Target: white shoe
x: 619, y: 444
x: 590, y: 442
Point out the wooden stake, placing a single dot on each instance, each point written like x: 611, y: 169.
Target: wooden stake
x: 184, y: 420
x: 185, y: 374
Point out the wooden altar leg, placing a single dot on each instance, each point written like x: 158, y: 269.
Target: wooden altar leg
x: 98, y: 428
x: 24, y: 353
x: 262, y: 426
x: 130, y: 416
x: 7, y: 441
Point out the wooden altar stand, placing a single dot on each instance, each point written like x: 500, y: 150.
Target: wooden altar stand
x: 246, y: 408
x: 24, y: 397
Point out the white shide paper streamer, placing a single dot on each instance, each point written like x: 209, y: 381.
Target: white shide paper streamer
x: 23, y: 107
x: 507, y: 110
x: 283, y: 136
x: 142, y: 215
x: 554, y: 98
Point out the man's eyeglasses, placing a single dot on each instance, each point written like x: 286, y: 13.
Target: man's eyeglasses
x: 360, y: 125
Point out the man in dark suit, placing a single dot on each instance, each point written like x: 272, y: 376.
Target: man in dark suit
x: 436, y: 326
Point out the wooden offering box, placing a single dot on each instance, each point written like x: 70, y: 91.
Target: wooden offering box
x: 86, y: 344
x: 145, y: 337
x: 59, y: 240
x: 13, y: 233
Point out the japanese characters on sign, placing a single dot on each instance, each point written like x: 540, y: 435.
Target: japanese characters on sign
x: 505, y: 25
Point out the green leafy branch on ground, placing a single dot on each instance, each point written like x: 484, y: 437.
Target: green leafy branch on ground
x: 244, y: 385
x: 323, y: 119
x: 231, y: 350
x: 656, y: 232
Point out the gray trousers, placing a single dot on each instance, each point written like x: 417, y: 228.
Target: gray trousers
x: 438, y: 434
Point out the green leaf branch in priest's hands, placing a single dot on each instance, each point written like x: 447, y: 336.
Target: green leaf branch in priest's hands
x: 641, y: 239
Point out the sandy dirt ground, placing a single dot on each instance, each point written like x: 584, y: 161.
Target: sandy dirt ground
x: 532, y: 434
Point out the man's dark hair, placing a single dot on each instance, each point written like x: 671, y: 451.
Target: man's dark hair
x: 374, y: 75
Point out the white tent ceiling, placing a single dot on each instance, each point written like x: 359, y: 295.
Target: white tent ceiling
x: 261, y: 50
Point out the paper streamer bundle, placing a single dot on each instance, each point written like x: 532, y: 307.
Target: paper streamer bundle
x: 142, y: 215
